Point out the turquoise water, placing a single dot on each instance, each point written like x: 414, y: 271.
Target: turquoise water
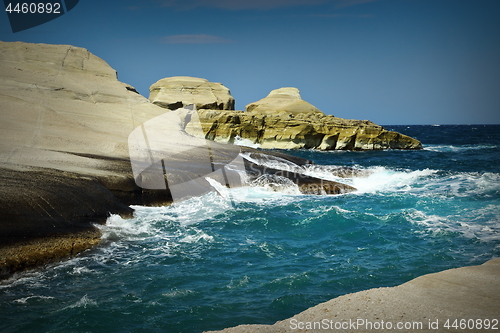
x: 202, y: 265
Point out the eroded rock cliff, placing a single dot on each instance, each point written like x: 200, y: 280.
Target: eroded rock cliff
x: 281, y: 120
x: 286, y: 130
x: 64, y: 119
x: 65, y: 158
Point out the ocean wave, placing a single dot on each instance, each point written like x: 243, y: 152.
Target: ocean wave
x: 382, y: 179
x: 197, y: 237
x: 273, y: 162
x: 24, y: 300
x: 117, y: 227
x: 457, y: 148
x: 463, y: 184
x: 83, y: 302
x: 482, y: 224
x: 245, y: 142
x: 275, y: 183
x: 178, y: 293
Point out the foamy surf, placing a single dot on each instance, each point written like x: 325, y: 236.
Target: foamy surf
x: 245, y: 142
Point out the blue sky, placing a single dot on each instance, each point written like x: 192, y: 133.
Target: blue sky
x: 389, y: 61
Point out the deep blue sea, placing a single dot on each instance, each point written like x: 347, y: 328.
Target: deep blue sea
x: 194, y: 266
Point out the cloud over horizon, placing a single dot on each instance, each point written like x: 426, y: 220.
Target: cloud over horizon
x: 194, y: 39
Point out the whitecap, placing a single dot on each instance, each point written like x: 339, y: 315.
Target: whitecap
x: 24, y: 300
x: 474, y: 225
x: 83, y: 302
x: 197, y: 237
x: 178, y: 293
x: 463, y: 184
x: 80, y: 270
x: 238, y: 283
x: 275, y: 183
x: 245, y: 142
x: 382, y: 179
x: 335, y: 172
x: 199, y: 209
x: 457, y: 148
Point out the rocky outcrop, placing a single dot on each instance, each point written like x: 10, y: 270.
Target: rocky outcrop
x: 281, y: 120
x: 424, y: 304
x: 65, y: 119
x: 259, y: 172
x: 175, y: 92
x: 65, y: 161
x: 282, y: 99
x: 314, y: 130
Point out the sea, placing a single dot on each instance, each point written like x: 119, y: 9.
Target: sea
x: 274, y: 252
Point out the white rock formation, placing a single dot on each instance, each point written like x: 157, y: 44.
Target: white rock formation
x: 178, y: 91
x: 282, y: 99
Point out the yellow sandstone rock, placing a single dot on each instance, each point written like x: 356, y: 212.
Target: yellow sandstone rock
x: 281, y: 120
x: 286, y: 130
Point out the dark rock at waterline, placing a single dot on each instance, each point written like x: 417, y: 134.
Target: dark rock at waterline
x: 65, y: 120
x: 260, y: 163
x: 290, y: 158
x: 41, y: 203
x: 306, y: 184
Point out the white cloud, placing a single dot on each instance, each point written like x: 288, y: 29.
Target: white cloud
x: 194, y: 39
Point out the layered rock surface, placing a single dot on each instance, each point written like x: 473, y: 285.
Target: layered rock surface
x: 285, y: 130
x: 282, y: 120
x: 64, y: 119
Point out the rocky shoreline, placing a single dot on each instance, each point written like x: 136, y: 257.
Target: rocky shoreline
x: 64, y: 153
x: 65, y: 119
x: 65, y: 165
x: 36, y: 252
